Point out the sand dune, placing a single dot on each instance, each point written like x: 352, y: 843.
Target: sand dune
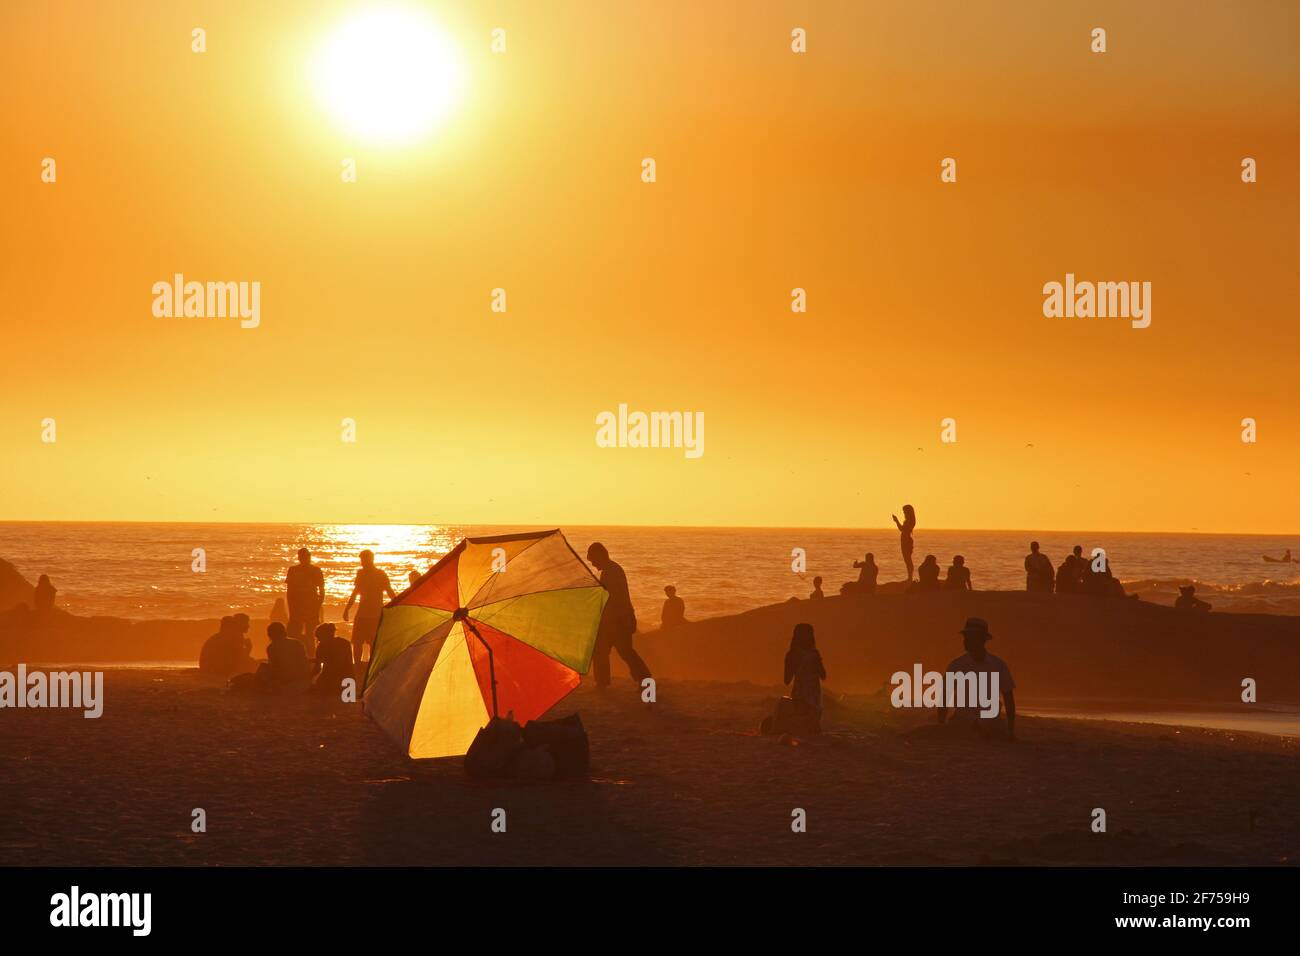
x: 1058, y: 646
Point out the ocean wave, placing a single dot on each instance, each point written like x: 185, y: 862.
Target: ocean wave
x: 1267, y: 596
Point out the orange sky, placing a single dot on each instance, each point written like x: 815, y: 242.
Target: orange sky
x: 774, y: 171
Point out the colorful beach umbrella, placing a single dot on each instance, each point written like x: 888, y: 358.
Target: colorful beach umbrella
x: 501, y: 624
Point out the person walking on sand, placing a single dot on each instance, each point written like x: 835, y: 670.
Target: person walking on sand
x: 958, y: 578
x: 304, y: 589
x: 371, y: 585
x: 869, y: 574
x: 978, y: 661
x: 1038, y: 571
x: 905, y: 529
x: 617, y: 623
x: 674, y: 610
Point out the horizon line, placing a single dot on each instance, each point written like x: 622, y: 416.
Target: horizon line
x: 683, y: 527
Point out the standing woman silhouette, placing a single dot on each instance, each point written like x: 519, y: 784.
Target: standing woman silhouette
x: 905, y: 528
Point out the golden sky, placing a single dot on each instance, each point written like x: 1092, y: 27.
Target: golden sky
x: 775, y: 171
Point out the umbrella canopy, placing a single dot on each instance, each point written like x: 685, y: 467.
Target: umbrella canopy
x: 522, y: 607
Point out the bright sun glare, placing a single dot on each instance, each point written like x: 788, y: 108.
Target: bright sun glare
x: 388, y: 75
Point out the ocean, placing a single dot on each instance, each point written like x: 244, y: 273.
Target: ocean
x: 144, y: 570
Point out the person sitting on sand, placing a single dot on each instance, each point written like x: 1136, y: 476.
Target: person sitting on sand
x: 927, y: 575
x: 905, y: 529
x: 371, y: 585
x: 801, y: 712
x: 333, y: 662
x: 226, y: 653
x: 44, y: 597
x: 286, y: 669
x: 868, y: 575
x: 304, y: 588
x: 617, y: 622
x: 216, y: 656
x: 1069, y: 576
x: 1099, y: 580
x: 817, y: 592
x: 977, y: 660
x: 674, y: 610
x: 958, y: 577
x: 1187, y: 600
x: 1038, y: 571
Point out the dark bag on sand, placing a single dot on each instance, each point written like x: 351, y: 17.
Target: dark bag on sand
x: 494, y: 748
x: 566, y: 739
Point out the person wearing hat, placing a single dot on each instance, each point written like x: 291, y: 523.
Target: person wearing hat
x: 977, y: 660
x: 1187, y: 600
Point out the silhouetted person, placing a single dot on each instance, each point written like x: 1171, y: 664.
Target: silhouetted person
x: 927, y: 575
x: 1070, y: 575
x: 804, y: 670
x: 801, y: 712
x: 1187, y: 600
x: 674, y: 611
x: 617, y: 623
x: 44, y: 596
x: 1039, y: 576
x: 286, y: 669
x: 869, y: 574
x: 817, y: 592
x: 371, y: 585
x: 905, y: 529
x: 222, y: 652
x: 958, y: 578
x: 977, y: 660
x: 304, y: 588
x: 1101, y: 582
x: 333, y: 662
x: 414, y: 577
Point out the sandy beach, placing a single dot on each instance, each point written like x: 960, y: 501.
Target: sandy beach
x: 307, y: 782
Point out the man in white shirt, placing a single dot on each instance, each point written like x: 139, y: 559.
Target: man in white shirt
x: 986, y: 668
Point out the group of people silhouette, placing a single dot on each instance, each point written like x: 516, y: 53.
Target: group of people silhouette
x: 303, y: 654
x: 1076, y: 575
x: 800, y: 713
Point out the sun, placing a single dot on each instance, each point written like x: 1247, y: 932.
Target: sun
x: 388, y: 75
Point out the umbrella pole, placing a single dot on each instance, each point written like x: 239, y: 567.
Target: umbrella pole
x: 492, y: 667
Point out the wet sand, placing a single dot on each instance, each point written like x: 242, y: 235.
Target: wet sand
x: 315, y: 783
